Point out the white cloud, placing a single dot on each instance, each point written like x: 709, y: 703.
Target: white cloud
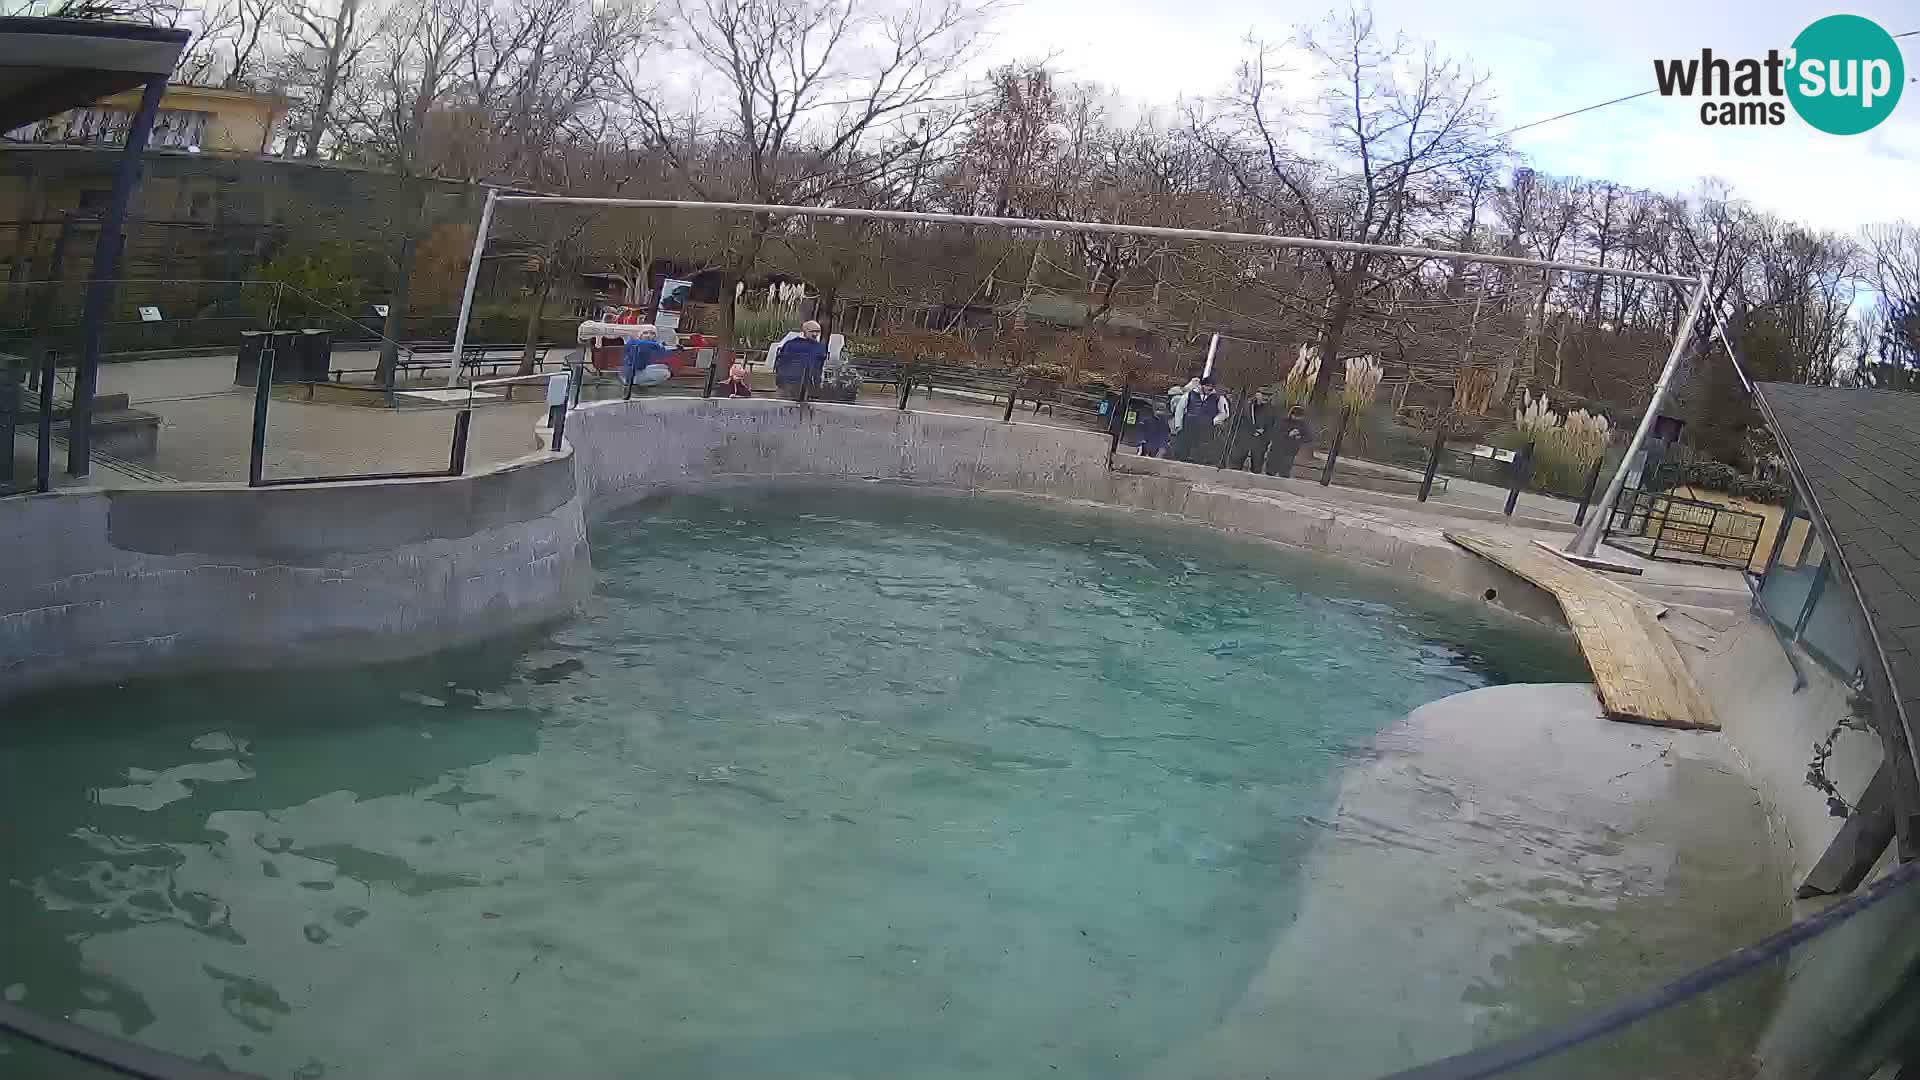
x: 1541, y: 62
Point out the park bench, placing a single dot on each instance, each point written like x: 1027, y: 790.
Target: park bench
x: 475, y: 361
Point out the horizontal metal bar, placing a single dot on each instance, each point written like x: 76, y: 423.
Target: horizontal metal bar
x: 1049, y: 225
x: 538, y: 376
x: 289, y: 481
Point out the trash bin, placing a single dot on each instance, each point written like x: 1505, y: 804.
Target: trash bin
x: 246, y: 370
x: 311, y: 360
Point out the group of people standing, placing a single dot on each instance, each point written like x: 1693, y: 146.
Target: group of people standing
x: 1197, y: 415
x: 798, y: 361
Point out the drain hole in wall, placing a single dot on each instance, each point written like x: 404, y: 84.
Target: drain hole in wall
x: 1490, y: 594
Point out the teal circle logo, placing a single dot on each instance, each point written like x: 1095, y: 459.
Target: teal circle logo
x: 1847, y: 74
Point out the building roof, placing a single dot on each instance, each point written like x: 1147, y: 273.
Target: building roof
x: 1857, y: 455
x: 48, y: 66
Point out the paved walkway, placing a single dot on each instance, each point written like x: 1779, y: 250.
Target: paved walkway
x: 206, y: 427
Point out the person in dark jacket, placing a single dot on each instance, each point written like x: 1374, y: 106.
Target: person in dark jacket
x: 1289, y: 436
x: 1203, y: 411
x: 1152, y: 431
x: 1253, y: 434
x: 800, y: 361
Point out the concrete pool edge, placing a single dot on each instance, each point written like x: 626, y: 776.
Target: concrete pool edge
x: 105, y: 584
x: 629, y: 451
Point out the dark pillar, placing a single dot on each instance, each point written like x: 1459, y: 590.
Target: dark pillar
x: 101, y: 284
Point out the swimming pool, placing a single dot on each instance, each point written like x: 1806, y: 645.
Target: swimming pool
x: 823, y: 783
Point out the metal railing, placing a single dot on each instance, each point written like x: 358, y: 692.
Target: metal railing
x: 563, y: 385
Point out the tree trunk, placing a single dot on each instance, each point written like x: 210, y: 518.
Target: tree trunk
x: 401, y: 289
x: 724, y: 355
x: 1339, y: 314
x: 823, y: 306
x: 330, y: 77
x: 533, y: 324
x: 396, y: 322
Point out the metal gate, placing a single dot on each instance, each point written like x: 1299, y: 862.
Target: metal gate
x: 1667, y: 527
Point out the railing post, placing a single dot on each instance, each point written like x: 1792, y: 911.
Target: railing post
x: 43, y: 455
x: 558, y: 389
x: 1333, y: 449
x: 1117, y: 423
x: 1233, y: 428
x: 906, y: 383
x: 806, y: 385
x: 1013, y: 391
x: 457, y: 460
x: 713, y: 376
x: 1433, y: 461
x: 262, y: 390
x: 1586, y: 495
x: 1517, y: 479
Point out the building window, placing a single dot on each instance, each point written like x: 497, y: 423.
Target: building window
x: 176, y: 129
x: 1805, y: 603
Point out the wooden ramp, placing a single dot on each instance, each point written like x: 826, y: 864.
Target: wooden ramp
x: 1636, y: 666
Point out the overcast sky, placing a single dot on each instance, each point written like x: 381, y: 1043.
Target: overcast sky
x: 1543, y: 59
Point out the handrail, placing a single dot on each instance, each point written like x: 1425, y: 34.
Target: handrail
x: 510, y: 380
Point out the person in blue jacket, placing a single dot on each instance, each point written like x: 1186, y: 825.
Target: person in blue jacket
x: 800, y: 361
x: 1153, y: 431
x: 643, y: 362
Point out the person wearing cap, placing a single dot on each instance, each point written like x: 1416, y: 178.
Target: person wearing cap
x: 1206, y: 408
x: 800, y: 362
x: 643, y: 362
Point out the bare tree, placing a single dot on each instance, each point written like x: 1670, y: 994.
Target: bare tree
x: 1396, y: 125
x: 326, y: 44
x: 822, y: 97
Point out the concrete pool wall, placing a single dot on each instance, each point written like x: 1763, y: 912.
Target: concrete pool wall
x: 627, y: 451
x: 98, y: 585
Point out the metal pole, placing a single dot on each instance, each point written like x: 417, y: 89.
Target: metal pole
x: 102, y: 278
x: 1013, y: 391
x: 1213, y: 345
x: 1117, y: 423
x: 1233, y: 427
x: 262, y: 389
x: 1433, y: 460
x: 1522, y: 469
x: 43, y: 455
x: 1586, y: 494
x: 1333, y: 451
x: 457, y: 458
x: 1587, y: 539
x: 906, y: 384
x: 1096, y: 228
x: 713, y: 376
x: 473, y: 281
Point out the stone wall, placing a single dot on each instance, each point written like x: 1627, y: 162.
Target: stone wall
x: 97, y: 585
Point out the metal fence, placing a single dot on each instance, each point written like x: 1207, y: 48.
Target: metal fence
x: 1673, y: 529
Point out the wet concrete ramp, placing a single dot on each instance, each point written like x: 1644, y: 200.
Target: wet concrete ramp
x: 1636, y: 666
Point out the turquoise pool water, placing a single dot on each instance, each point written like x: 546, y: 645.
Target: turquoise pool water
x: 821, y: 784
